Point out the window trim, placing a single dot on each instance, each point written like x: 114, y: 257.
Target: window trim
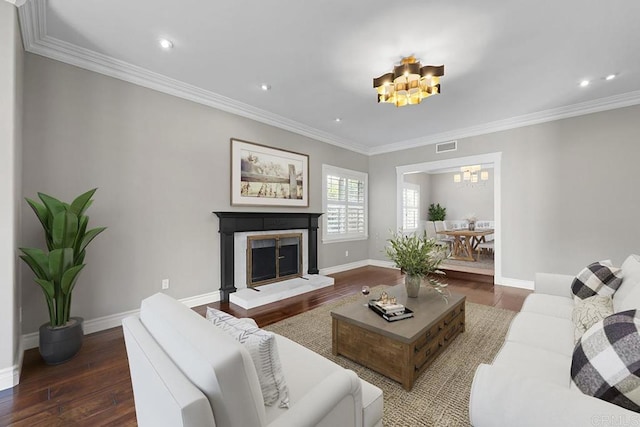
x: 344, y: 173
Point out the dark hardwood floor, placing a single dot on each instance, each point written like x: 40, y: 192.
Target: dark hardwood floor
x: 94, y: 388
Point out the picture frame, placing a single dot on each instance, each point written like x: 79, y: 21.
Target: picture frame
x: 267, y: 176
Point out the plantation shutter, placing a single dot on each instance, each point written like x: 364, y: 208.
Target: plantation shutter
x: 345, y: 206
x: 410, y: 208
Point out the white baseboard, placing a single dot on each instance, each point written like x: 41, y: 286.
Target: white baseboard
x: 344, y: 267
x: 113, y: 320
x: 516, y: 283
x: 10, y: 377
x: 203, y: 299
x: 382, y: 263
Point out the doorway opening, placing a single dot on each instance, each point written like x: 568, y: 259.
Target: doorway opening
x: 488, y: 217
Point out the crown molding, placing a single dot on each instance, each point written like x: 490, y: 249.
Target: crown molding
x: 32, y: 15
x: 33, y: 25
x: 588, y: 107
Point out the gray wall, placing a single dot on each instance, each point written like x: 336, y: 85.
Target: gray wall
x: 462, y: 200
x: 10, y: 193
x: 161, y: 164
x: 569, y: 192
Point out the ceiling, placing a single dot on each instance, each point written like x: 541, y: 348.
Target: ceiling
x: 507, y: 63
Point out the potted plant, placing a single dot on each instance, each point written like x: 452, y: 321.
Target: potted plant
x: 418, y: 257
x: 437, y: 212
x: 57, y: 270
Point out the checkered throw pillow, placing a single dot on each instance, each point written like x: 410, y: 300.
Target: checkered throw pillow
x: 606, y: 360
x: 599, y: 278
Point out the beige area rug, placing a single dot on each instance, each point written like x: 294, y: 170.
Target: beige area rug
x: 440, y: 396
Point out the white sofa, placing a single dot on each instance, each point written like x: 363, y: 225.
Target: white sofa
x: 187, y: 372
x: 529, y: 382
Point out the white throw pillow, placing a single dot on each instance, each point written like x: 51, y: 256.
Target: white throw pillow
x: 263, y: 349
x: 623, y: 299
x: 588, y: 312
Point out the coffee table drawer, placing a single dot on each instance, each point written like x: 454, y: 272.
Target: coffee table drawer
x: 428, y: 337
x: 370, y: 349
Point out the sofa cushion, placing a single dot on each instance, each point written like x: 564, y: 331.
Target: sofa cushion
x: 535, y: 362
x: 598, y: 278
x: 631, y: 302
x: 606, y: 360
x: 546, y: 332
x: 549, y: 305
x: 263, y: 349
x: 589, y: 311
x: 627, y: 297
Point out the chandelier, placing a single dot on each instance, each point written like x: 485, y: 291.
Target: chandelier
x: 470, y: 174
x: 409, y: 83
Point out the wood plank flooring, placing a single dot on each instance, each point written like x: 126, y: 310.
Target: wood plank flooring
x: 94, y: 389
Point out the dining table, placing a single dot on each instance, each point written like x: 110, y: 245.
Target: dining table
x: 466, y: 241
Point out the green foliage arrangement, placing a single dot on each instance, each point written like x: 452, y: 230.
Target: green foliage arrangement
x: 67, y: 237
x: 437, y: 212
x: 417, y: 255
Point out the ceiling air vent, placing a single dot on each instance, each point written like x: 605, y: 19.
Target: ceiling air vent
x: 446, y: 146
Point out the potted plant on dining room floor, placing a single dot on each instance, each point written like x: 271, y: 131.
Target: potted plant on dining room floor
x: 418, y: 257
x: 57, y: 270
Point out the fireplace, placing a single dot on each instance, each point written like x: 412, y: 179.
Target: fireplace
x: 232, y: 223
x: 272, y: 258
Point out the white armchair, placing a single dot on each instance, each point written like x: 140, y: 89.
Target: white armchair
x: 187, y: 372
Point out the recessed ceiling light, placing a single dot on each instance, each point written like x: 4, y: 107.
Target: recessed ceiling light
x: 338, y: 119
x: 265, y: 86
x: 610, y: 77
x: 166, y: 44
x: 584, y: 83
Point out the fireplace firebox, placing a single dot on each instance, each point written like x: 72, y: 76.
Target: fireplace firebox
x: 272, y: 258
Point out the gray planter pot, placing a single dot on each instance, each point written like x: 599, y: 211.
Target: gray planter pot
x: 57, y: 345
x: 412, y: 285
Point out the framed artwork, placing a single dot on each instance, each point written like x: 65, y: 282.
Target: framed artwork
x: 265, y: 176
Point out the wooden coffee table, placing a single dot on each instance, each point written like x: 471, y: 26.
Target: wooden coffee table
x: 403, y: 349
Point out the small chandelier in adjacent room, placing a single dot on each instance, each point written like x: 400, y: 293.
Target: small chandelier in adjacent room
x: 470, y: 174
x: 409, y: 83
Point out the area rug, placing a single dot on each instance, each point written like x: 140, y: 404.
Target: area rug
x: 440, y: 396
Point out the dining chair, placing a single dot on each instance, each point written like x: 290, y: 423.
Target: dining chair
x: 488, y: 246
x: 442, y: 239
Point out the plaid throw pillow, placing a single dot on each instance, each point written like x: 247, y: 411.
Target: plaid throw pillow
x: 599, y: 278
x: 606, y: 360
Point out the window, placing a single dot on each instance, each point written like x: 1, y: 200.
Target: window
x: 344, y: 202
x: 410, y: 207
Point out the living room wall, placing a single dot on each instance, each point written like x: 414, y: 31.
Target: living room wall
x: 569, y: 196
x: 162, y: 165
